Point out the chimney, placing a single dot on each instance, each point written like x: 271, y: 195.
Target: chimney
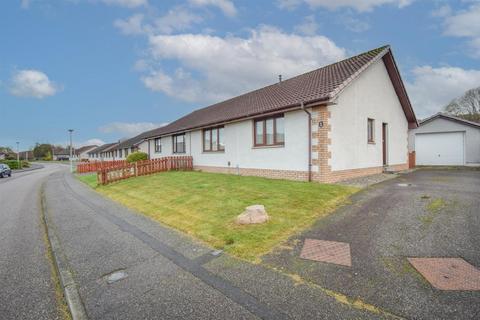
x: 279, y: 78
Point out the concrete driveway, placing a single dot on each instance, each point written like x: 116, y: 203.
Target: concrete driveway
x: 427, y: 213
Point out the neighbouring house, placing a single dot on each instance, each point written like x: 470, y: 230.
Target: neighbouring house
x: 3, y: 155
x: 344, y: 120
x: 444, y: 139
x: 109, y: 153
x: 60, y: 153
x: 61, y: 156
x: 26, y: 155
x: 121, y: 150
x: 101, y: 153
x: 82, y: 152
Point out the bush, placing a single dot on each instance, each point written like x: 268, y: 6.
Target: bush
x: 13, y: 164
x: 137, y: 156
x: 48, y: 156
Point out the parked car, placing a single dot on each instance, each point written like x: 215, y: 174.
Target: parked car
x: 5, y: 170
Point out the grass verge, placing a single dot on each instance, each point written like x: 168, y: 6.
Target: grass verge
x: 89, y: 179
x: 205, y: 205
x: 61, y: 306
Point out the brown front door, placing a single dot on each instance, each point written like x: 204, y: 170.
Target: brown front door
x: 384, y: 143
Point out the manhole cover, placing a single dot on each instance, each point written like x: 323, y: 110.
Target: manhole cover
x: 116, y: 276
x: 448, y: 273
x: 327, y: 251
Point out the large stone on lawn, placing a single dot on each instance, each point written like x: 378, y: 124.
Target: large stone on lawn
x: 253, y: 214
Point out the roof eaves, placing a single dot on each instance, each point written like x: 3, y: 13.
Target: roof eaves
x: 290, y: 107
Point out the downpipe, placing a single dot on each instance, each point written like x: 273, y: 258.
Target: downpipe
x: 309, y: 114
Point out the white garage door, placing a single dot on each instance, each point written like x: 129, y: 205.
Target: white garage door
x: 444, y: 148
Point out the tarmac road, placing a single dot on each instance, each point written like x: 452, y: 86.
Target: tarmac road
x: 168, y: 275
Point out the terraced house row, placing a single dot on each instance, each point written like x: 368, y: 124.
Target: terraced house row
x: 344, y: 120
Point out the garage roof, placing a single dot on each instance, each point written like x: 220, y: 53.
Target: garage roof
x: 450, y: 117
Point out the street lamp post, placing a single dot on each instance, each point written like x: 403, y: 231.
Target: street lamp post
x: 71, y: 151
x: 18, y: 155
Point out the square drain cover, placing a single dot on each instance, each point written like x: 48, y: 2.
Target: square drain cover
x: 448, y: 273
x: 327, y: 251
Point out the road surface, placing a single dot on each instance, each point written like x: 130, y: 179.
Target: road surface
x: 164, y: 274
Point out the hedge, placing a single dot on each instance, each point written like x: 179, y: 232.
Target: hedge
x: 13, y: 164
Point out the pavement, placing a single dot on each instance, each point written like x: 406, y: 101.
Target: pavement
x: 426, y: 213
x: 126, y: 266
x: 33, y: 166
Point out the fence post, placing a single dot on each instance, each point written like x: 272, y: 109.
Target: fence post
x: 136, y: 169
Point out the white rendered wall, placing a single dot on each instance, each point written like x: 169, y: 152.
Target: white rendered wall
x: 371, y: 95
x: 239, y: 149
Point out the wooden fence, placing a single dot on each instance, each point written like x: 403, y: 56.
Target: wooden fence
x: 95, y: 166
x: 141, y: 168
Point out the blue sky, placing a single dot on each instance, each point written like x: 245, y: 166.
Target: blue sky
x: 112, y: 68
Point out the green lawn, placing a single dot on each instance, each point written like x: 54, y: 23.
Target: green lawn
x: 205, y: 205
x: 90, y: 179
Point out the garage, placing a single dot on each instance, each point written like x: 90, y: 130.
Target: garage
x: 443, y: 148
x: 445, y: 140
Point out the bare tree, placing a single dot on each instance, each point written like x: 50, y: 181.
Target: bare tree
x: 467, y: 106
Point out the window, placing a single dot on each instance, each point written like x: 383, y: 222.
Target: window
x: 158, y: 145
x: 213, y: 139
x: 371, y: 130
x: 120, y: 153
x: 126, y: 152
x: 269, y: 131
x: 179, y: 143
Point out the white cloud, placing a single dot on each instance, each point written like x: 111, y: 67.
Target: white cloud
x: 128, y: 129
x: 465, y: 24
x: 359, y: 5
x: 130, y: 26
x: 433, y: 88
x: 226, y: 6
x: 176, y: 19
x: 127, y: 3
x: 32, y: 83
x: 90, y: 142
x: 212, y: 68
x: 288, y: 4
x: 309, y: 26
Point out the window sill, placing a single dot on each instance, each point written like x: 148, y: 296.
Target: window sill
x: 371, y: 142
x: 219, y: 151
x: 269, y: 146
